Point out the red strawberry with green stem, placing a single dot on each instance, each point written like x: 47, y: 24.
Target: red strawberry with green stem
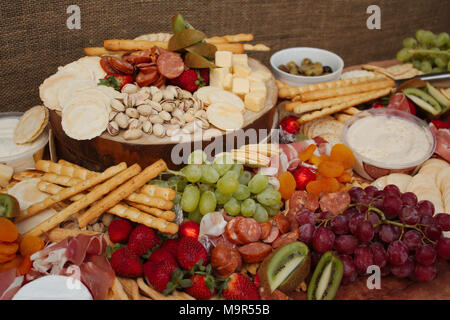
x: 239, y: 287
x: 119, y: 230
x: 191, y: 80
x: 142, y: 239
x: 126, y: 263
x: 189, y: 252
x: 159, y: 273
x: 162, y: 254
x: 116, y: 81
x: 171, y: 245
x: 203, y: 286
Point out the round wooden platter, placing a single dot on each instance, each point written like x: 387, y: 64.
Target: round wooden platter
x: 104, y: 151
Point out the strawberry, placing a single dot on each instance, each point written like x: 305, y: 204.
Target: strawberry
x: 125, y: 263
x: 239, y: 287
x: 204, y: 73
x: 119, y: 230
x: 441, y: 124
x: 116, y: 81
x: 189, y: 252
x: 290, y: 124
x: 163, y: 254
x: 142, y: 239
x: 171, y: 245
x: 159, y: 273
x: 189, y: 80
x: 203, y: 287
x: 256, y: 281
x: 189, y: 229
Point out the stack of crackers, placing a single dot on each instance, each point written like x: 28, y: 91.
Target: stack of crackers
x: 326, y: 127
x: 315, y: 101
x: 395, y: 72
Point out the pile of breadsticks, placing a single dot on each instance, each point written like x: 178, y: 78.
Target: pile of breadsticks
x: 119, y: 190
x: 145, y: 42
x: 335, y: 97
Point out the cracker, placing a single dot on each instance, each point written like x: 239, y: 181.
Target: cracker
x: 256, y: 47
x: 327, y: 126
x: 342, y: 117
x: 399, y: 69
x: 446, y: 92
x: 31, y: 124
x: 332, y: 138
x: 27, y: 174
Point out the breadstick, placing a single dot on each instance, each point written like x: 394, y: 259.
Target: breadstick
x: 238, y: 37
x: 130, y: 287
x: 70, y: 164
x: 129, y: 45
x: 288, y: 91
x: 339, y: 107
x: 94, y: 195
x: 233, y: 47
x: 302, y: 107
x: 100, y: 51
x: 357, y: 88
x: 153, y: 190
x: 52, y: 188
x: 69, y: 192
x: 124, y: 211
x: 216, y: 40
x: 351, y: 111
x: 52, y: 167
x: 122, y: 192
x: 155, y: 295
x: 116, y: 292
x: 256, y: 47
x: 61, y: 180
x: 166, y: 215
x: 156, y: 202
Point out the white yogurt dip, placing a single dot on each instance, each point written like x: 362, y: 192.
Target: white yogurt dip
x: 391, y: 140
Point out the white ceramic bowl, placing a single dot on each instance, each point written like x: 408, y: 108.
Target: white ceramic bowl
x: 326, y: 58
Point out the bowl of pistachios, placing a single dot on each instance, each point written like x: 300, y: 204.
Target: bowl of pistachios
x: 303, y: 65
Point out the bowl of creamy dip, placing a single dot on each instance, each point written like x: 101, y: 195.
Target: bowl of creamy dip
x: 387, y: 140
x: 23, y: 156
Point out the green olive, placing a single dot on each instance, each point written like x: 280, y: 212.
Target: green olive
x: 306, y: 62
x: 293, y: 70
x: 315, y: 70
x: 291, y: 64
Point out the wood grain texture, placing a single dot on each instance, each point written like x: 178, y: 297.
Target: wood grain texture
x: 35, y: 40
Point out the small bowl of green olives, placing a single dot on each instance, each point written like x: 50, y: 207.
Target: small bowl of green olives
x: 300, y: 66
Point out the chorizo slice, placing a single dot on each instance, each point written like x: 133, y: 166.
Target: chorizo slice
x: 106, y: 66
x: 274, y: 234
x: 146, y: 79
x: 303, y: 199
x: 254, y: 252
x: 121, y: 66
x: 285, y: 239
x: 230, y: 232
x: 265, y: 229
x: 170, y: 64
x: 225, y: 260
x: 248, y: 230
x: 335, y: 202
x: 282, y: 222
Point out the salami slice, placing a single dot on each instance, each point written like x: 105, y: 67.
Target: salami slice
x: 303, y: 199
x: 248, y: 230
x: 225, y: 260
x: 400, y: 102
x: 106, y: 66
x: 254, y: 252
x: 121, y: 66
x: 285, y: 239
x: 274, y: 234
x: 282, y: 222
x: 265, y: 229
x: 230, y: 232
x: 334, y: 202
x: 170, y: 64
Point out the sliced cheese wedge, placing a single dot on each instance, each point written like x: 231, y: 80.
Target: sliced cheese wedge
x: 210, y: 95
x: 225, y: 116
x: 401, y: 180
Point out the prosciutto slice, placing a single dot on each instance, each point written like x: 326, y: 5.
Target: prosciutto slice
x: 85, y: 252
x: 442, y: 141
x: 9, y: 284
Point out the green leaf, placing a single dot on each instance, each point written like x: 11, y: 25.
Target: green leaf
x: 110, y: 81
x: 186, y: 283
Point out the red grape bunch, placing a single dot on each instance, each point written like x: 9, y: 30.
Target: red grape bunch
x: 387, y: 228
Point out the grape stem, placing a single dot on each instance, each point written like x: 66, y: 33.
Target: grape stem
x: 175, y: 173
x: 429, y: 51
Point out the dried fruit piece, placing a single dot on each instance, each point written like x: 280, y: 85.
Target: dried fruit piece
x: 8, y: 248
x: 342, y: 154
x: 7, y: 257
x: 287, y: 184
x: 330, y: 169
x: 8, y: 230
x: 30, y: 245
x: 326, y: 278
x: 14, y: 263
x: 345, y: 177
x: 306, y: 154
x: 315, y: 160
x: 324, y: 184
x: 25, y: 265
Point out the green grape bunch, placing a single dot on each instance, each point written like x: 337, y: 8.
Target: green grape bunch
x: 428, y: 52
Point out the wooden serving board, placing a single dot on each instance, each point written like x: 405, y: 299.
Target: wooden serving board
x: 105, y: 150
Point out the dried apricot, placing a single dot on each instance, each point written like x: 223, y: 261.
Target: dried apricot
x: 315, y: 160
x: 323, y: 185
x: 287, y: 184
x: 14, y: 263
x: 7, y: 257
x: 25, y: 266
x: 343, y: 154
x: 345, y: 177
x: 307, y: 153
x: 330, y: 169
x: 30, y: 245
x: 8, y: 248
x: 8, y: 230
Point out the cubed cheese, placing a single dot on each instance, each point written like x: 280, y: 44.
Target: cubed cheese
x: 216, y: 77
x: 254, y: 101
x: 257, y: 86
x: 223, y: 59
x: 6, y: 173
x: 240, y: 59
x: 261, y: 75
x: 241, y: 71
x: 228, y: 82
x: 241, y: 86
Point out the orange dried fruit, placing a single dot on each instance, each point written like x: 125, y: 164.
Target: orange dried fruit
x: 287, y: 184
x: 7, y: 257
x: 330, y: 169
x: 30, y: 245
x: 25, y: 266
x: 345, y: 177
x: 343, y: 154
x: 323, y: 185
x: 8, y: 230
x: 7, y: 248
x: 306, y: 154
x: 14, y: 263
x: 315, y: 160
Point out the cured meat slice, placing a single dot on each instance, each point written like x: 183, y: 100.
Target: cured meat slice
x: 274, y: 234
x: 334, y: 202
x: 442, y: 141
x: 170, y: 64
x: 285, y: 239
x: 248, y: 230
x: 282, y: 222
x: 230, y: 231
x: 255, y: 252
x: 225, y: 260
x: 265, y: 229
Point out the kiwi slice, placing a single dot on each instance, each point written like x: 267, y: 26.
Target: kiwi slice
x: 184, y: 39
x: 423, y: 100
x: 438, y: 96
x: 326, y: 278
x: 9, y: 206
x: 179, y: 23
x: 203, y: 49
x: 193, y: 60
x: 285, y: 268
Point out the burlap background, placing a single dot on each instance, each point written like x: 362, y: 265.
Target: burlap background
x: 34, y: 38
